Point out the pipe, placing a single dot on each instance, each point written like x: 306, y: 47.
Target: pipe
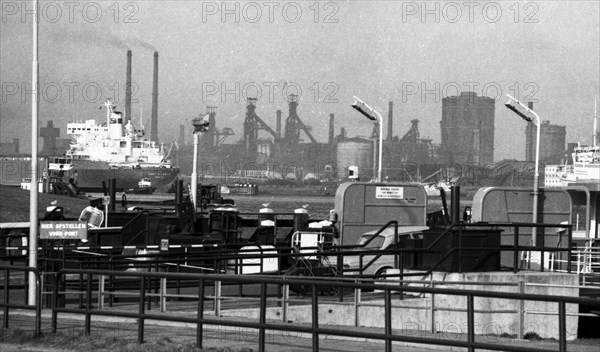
x: 112, y: 194
x: 154, y: 118
x: 455, y: 204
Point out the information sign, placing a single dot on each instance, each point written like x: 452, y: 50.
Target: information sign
x: 63, y: 230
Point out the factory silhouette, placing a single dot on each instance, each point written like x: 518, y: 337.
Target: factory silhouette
x: 289, y: 151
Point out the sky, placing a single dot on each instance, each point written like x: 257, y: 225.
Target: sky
x: 217, y: 53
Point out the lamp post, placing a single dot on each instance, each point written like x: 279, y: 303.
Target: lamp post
x: 375, y: 116
x: 201, y: 124
x: 33, y: 193
x: 511, y: 105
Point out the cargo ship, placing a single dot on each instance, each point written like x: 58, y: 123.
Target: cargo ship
x: 109, y: 150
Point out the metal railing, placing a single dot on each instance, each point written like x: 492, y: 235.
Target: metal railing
x: 314, y: 329
x: 6, y: 302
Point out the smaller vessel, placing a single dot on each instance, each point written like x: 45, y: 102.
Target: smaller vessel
x: 585, y: 166
x: 144, y: 186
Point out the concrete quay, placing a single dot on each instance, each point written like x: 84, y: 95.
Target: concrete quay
x: 446, y: 314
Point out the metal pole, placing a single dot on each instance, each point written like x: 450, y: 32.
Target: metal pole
x: 536, y: 176
x: 194, y: 172
x: 375, y: 160
x: 33, y: 193
x: 380, y: 145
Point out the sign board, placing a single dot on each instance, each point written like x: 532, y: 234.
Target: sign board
x: 389, y: 193
x: 63, y: 230
x: 164, y: 244
x: 106, y: 200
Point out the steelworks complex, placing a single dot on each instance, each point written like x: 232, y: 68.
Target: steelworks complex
x: 290, y: 152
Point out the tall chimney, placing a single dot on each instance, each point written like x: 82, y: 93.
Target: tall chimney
x: 331, y: 128
x: 390, y: 130
x: 154, y: 118
x: 278, y: 126
x: 128, y: 90
x: 181, y: 135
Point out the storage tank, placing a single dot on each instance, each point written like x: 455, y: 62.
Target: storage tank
x: 355, y: 151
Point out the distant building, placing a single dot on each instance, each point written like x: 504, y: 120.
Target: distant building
x: 552, y: 175
x: 52, y: 145
x: 10, y: 148
x: 467, y: 128
x: 552, y: 143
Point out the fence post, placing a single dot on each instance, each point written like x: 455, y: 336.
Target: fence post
x: 286, y: 298
x: 357, y: 294
x: 141, y: 309
x: 315, y: 317
x: 200, y: 318
x: 388, y: 319
x: 6, y: 296
x: 54, y: 301
x: 562, y: 326
x: 101, y: 279
x: 263, y: 316
x: 432, y: 306
x: 88, y: 304
x: 38, y: 307
x: 521, y: 311
x: 163, y: 293
x: 217, y: 298
x: 470, y: 322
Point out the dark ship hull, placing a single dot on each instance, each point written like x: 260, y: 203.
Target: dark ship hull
x: 89, y: 176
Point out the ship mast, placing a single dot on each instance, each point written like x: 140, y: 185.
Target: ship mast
x: 108, y: 106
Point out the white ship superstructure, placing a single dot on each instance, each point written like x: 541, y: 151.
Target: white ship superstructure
x: 106, y: 142
x: 586, y: 165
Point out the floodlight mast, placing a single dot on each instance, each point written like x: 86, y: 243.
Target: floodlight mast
x: 201, y: 124
x: 33, y: 192
x: 375, y: 116
x: 536, y: 190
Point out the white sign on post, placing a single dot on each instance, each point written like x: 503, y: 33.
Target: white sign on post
x: 389, y: 192
x: 63, y: 230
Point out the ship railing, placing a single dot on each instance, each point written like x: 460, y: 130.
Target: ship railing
x: 587, y: 264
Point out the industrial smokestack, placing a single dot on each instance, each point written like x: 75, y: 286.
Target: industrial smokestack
x: 278, y: 126
x: 390, y: 121
x: 181, y: 135
x: 331, y: 128
x: 154, y: 121
x: 128, y: 90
